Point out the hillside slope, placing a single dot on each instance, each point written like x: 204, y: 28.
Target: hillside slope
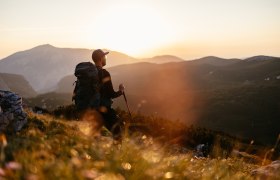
x: 16, y: 83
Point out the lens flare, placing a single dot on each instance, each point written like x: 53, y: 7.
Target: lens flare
x: 91, y: 123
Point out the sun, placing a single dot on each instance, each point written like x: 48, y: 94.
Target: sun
x: 131, y: 28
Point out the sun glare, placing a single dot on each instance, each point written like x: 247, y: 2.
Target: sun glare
x: 130, y: 28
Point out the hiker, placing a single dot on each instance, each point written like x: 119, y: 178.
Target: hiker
x: 107, y: 93
x: 12, y: 114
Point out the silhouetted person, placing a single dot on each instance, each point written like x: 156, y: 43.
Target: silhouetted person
x: 107, y: 92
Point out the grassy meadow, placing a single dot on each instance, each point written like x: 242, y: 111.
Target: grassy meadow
x: 54, y: 147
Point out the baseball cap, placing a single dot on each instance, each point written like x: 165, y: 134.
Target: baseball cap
x: 98, y: 53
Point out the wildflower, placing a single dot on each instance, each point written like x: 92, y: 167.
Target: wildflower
x: 2, y: 172
x: 126, y: 166
x: 13, y: 166
x: 144, y: 137
x: 90, y: 174
x: 86, y: 156
x: 74, y: 153
x: 169, y: 175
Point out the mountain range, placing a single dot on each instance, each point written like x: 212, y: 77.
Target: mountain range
x: 45, y: 65
x: 231, y: 95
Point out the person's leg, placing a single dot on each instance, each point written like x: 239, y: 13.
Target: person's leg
x: 112, y: 122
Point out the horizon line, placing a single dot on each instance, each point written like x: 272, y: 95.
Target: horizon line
x: 140, y: 58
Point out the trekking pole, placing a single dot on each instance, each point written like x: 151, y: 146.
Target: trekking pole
x: 127, y: 104
x: 127, y: 124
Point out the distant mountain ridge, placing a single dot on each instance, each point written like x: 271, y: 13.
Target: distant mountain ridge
x: 216, y: 61
x: 261, y: 58
x: 45, y: 65
x: 163, y: 59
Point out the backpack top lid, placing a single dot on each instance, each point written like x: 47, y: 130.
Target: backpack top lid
x: 86, y: 69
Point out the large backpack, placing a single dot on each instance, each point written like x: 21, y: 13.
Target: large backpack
x: 86, y: 92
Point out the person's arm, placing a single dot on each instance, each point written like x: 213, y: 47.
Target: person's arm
x: 108, y: 86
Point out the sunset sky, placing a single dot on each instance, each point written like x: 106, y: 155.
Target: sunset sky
x: 144, y: 28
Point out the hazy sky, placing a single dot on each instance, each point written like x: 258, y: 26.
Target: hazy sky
x: 144, y: 28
